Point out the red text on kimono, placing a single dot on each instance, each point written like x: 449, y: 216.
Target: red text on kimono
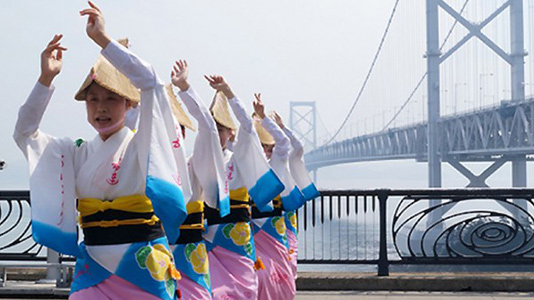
x: 81, y: 272
x: 176, y: 143
x: 177, y: 179
x: 229, y: 176
x: 115, y: 166
x: 62, y: 190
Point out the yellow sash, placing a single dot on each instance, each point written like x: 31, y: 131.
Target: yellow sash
x: 194, y: 207
x: 133, y: 203
x: 241, y: 195
x: 115, y: 223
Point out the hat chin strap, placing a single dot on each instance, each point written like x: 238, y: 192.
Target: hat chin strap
x: 111, y: 128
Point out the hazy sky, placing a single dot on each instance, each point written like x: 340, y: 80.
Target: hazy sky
x: 298, y: 50
x: 288, y: 50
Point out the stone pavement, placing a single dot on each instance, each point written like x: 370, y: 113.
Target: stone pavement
x: 304, y: 295
x: 354, y: 295
x: 361, y: 286
x: 451, y: 282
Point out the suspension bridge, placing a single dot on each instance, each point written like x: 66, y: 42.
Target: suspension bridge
x: 459, y: 92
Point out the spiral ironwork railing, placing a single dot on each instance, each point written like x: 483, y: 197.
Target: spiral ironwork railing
x: 372, y: 227
x: 16, y: 241
x: 430, y: 226
x: 463, y: 227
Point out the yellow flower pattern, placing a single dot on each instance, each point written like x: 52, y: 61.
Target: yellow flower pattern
x: 280, y: 226
x: 199, y: 259
x: 240, y: 234
x: 293, y: 220
x: 158, y: 262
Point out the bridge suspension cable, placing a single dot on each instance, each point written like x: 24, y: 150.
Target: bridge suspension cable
x: 386, y: 31
x: 418, y: 85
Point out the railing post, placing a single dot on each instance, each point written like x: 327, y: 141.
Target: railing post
x: 383, y: 262
x: 53, y: 274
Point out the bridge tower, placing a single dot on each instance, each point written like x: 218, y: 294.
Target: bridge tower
x: 515, y: 59
x: 303, y: 123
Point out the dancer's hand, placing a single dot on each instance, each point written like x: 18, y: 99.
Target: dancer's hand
x: 278, y: 119
x: 218, y: 83
x: 259, y: 108
x: 95, y: 25
x: 179, y: 75
x: 51, y: 60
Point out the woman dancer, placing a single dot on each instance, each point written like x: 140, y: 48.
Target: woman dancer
x: 124, y: 196
x: 229, y: 238
x: 277, y: 280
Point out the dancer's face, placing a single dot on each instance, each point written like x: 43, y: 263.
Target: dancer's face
x: 106, y: 110
x: 268, y: 150
x: 225, y: 134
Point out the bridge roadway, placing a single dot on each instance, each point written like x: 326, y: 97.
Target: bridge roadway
x: 483, y: 135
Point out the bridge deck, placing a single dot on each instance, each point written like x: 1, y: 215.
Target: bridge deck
x: 483, y: 135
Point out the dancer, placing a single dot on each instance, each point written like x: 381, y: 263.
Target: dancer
x: 206, y: 170
x: 304, y: 183
x: 124, y: 194
x: 248, y: 175
x: 277, y: 280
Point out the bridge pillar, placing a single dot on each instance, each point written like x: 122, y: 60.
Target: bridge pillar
x: 519, y: 163
x: 433, y: 83
x: 303, y: 122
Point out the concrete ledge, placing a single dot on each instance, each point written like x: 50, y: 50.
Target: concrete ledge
x: 482, y: 282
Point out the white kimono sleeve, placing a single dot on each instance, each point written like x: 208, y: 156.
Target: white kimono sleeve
x: 261, y: 182
x: 291, y: 196
x: 52, y: 182
x: 298, y: 168
x: 158, y: 141
x: 207, y: 160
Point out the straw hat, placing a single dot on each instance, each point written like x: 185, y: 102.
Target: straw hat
x: 220, y: 111
x: 265, y: 137
x: 177, y: 109
x: 107, y: 76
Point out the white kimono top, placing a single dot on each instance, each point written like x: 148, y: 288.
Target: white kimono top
x: 298, y: 168
x: 291, y: 197
x: 206, y: 165
x: 147, y: 162
x: 247, y: 167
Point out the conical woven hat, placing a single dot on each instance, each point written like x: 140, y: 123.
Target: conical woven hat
x: 177, y: 110
x: 220, y: 111
x: 265, y: 137
x: 107, y: 76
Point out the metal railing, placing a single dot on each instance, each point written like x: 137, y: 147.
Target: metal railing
x: 431, y: 226
x: 374, y: 227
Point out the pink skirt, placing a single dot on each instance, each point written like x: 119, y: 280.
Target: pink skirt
x: 191, y: 290
x: 113, y: 288
x: 277, y: 281
x: 293, y: 251
x: 232, y: 275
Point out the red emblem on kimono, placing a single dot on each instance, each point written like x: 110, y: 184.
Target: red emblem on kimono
x: 176, y: 143
x: 114, y: 180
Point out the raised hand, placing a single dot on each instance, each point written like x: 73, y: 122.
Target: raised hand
x: 95, y: 27
x: 218, y: 83
x: 51, y: 60
x: 259, y: 108
x: 179, y: 75
x: 278, y: 119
